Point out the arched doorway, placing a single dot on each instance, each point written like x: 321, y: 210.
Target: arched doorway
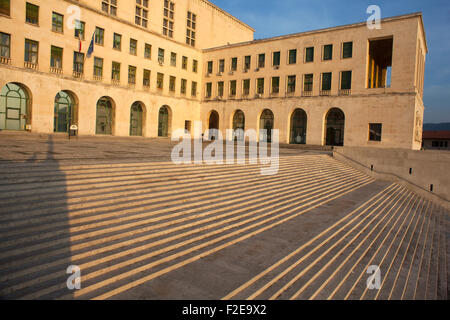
x: 335, y: 126
x: 213, y: 123
x: 105, y: 116
x: 65, y: 111
x: 163, y: 122
x: 266, y: 123
x: 14, y: 107
x: 299, y: 121
x: 239, y: 124
x: 136, y: 119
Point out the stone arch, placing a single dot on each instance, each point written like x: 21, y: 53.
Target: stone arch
x: 15, y: 106
x: 105, y: 116
x: 164, y: 121
x: 65, y: 111
x: 266, y: 125
x: 334, y: 127
x: 298, y: 126
x: 137, y: 119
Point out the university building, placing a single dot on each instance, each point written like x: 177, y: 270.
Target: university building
x: 147, y: 68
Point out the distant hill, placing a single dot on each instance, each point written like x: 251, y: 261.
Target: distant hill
x: 436, y: 126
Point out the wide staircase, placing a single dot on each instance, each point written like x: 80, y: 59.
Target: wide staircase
x: 126, y: 223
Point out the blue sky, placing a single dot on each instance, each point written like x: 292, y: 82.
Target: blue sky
x: 289, y: 16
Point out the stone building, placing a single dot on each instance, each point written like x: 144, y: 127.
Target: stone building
x: 157, y: 66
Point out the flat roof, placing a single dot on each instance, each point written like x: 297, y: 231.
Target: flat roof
x: 442, y: 135
x: 292, y: 35
x: 228, y: 15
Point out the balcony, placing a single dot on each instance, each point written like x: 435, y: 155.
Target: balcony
x: 115, y: 82
x: 77, y: 74
x: 30, y: 65
x: 325, y: 93
x: 307, y: 93
x: 5, y: 60
x: 290, y: 93
x: 56, y: 70
x: 97, y: 78
x: 345, y: 92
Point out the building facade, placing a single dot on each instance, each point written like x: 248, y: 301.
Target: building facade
x: 157, y: 66
x: 436, y: 140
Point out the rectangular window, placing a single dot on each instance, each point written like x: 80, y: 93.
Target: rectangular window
x: 308, y: 83
x: 173, y: 59
x: 78, y: 62
x: 115, y: 74
x: 99, y: 36
x: 117, y: 42
x: 161, y: 56
x: 5, y: 45
x: 375, y: 131
x: 328, y: 52
x: 160, y: 81
x: 191, y: 28
x: 210, y: 67
x: 275, y: 85
x: 146, y: 78
x: 291, y: 84
x: 131, y: 75
x: 183, y: 86
x: 247, y: 62
x: 133, y: 47
x: 172, y: 81
x: 141, y: 15
x: 222, y: 66
x: 80, y: 30
x: 233, y: 88
x: 261, y: 60
x: 32, y: 13
x: 346, y: 80
x: 208, y: 89
x: 98, y: 67
x: 246, y: 87
x: 292, y: 56
x: 184, y: 62
x: 110, y: 6
x: 168, y: 19
x: 57, y: 22
x: 309, y: 54
x: 260, y: 86
x: 148, y: 51
x: 234, y: 63
x: 194, y: 66
x: 5, y: 7
x: 194, y: 89
x: 220, y: 88
x: 276, y: 58
x: 56, y: 55
x: 326, y: 81
x: 31, y: 51
x: 347, y: 50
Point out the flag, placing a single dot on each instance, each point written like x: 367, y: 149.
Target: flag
x: 91, y: 47
x: 79, y: 44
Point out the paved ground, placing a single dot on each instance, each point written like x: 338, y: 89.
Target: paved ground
x: 140, y: 227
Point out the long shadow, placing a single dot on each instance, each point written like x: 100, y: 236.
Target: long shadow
x: 34, y: 228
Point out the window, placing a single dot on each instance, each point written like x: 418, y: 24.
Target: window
x: 194, y: 66
x: 375, y: 131
x: 161, y: 56
x: 292, y: 56
x: 221, y: 66
x: 98, y: 67
x: 247, y: 62
x: 148, y: 51
x: 168, y: 20
x: 117, y: 42
x: 328, y: 52
x: 56, y: 55
x: 291, y: 84
x: 194, y: 89
x: 5, y: 7
x: 110, y: 6
x: 326, y: 81
x: 275, y: 85
x: 220, y: 88
x: 57, y: 22
x: 191, y: 27
x: 346, y: 80
x: 99, y: 36
x: 260, y: 86
x: 146, y: 78
x: 380, y: 63
x: 184, y: 62
x: 131, y: 75
x: 32, y: 13
x: 276, y: 58
x: 208, y: 89
x: 5, y: 45
x: 233, y: 88
x: 210, y: 67
x: 246, y: 87
x: 115, y: 74
x: 308, y: 83
x: 31, y: 51
x: 78, y: 62
x: 173, y: 59
x: 183, y: 86
x: 261, y: 60
x: 234, y: 62
x: 309, y: 54
x: 141, y: 16
x: 80, y: 29
x: 160, y: 81
x: 133, y: 47
x: 347, y: 50
x: 172, y: 81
